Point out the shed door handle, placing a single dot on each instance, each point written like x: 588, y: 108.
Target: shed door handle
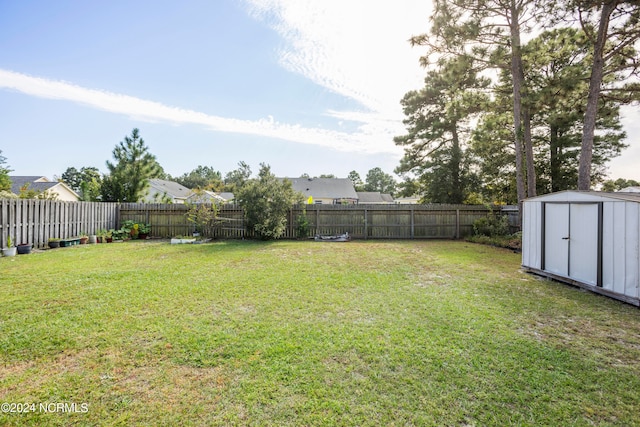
x: 565, y: 238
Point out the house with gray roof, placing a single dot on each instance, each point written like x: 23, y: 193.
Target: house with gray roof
x: 162, y: 191
x: 630, y: 190
x: 326, y: 190
x: 206, y: 196
x: 41, y: 185
x: 375, y: 198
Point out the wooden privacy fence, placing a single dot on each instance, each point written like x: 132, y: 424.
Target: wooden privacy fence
x: 36, y: 221
x: 361, y: 221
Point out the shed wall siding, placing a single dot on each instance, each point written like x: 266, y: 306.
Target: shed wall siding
x: 611, y: 264
x: 620, y: 241
x: 531, y: 236
x: 631, y: 235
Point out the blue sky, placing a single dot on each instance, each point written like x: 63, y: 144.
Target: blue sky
x: 305, y: 86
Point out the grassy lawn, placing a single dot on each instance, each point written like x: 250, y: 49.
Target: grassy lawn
x: 304, y: 333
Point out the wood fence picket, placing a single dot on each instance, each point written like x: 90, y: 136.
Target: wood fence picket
x: 35, y: 221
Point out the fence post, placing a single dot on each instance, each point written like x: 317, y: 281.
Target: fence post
x: 457, y: 224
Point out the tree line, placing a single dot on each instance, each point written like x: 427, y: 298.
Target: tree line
x: 500, y: 119
x: 133, y: 165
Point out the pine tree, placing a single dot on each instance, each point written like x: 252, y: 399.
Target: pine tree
x: 5, y: 181
x: 490, y: 31
x: 128, y: 178
x: 436, y: 121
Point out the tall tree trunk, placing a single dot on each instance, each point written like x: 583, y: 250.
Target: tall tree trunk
x: 457, y: 195
x: 588, y: 132
x: 528, y: 149
x: 517, y: 75
x: 554, y: 166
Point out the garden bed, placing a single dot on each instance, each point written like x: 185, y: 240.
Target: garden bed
x: 72, y: 241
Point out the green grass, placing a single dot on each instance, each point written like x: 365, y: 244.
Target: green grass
x: 304, y: 333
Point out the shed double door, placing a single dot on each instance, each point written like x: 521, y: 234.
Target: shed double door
x: 571, y: 241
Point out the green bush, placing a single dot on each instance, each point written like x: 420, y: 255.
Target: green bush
x: 266, y: 202
x: 204, y: 218
x: 491, y: 225
x: 512, y: 241
x: 302, y: 226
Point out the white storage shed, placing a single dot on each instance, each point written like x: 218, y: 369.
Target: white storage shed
x: 586, y: 238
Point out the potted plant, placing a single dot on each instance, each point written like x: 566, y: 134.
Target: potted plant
x: 83, y: 238
x: 54, y: 242
x: 10, y: 250
x: 108, y: 236
x: 101, y: 236
x: 119, y: 235
x: 143, y: 231
x: 24, y: 248
x: 129, y: 229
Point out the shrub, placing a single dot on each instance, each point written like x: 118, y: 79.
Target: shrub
x: 266, y: 202
x: 491, y: 225
x: 302, y: 225
x: 144, y: 228
x: 513, y: 241
x: 204, y: 218
x: 129, y: 228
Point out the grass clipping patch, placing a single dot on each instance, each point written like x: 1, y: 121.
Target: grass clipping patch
x: 301, y: 333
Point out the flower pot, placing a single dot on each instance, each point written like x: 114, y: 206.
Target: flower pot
x: 93, y: 239
x: 54, y: 244
x: 24, y: 249
x: 109, y: 239
x: 9, y: 251
x: 142, y: 236
x: 83, y: 240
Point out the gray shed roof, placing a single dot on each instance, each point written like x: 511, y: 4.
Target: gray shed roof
x: 325, y: 188
x: 619, y: 195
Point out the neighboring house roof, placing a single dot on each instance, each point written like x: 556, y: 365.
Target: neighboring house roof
x: 37, y: 183
x: 374, y: 197
x: 413, y: 200
x: 170, y: 188
x: 325, y: 188
x: 42, y: 184
x: 205, y: 196
x: 630, y: 190
x: 227, y: 196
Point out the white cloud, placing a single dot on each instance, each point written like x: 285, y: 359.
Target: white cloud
x: 356, y: 48
x: 154, y: 111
